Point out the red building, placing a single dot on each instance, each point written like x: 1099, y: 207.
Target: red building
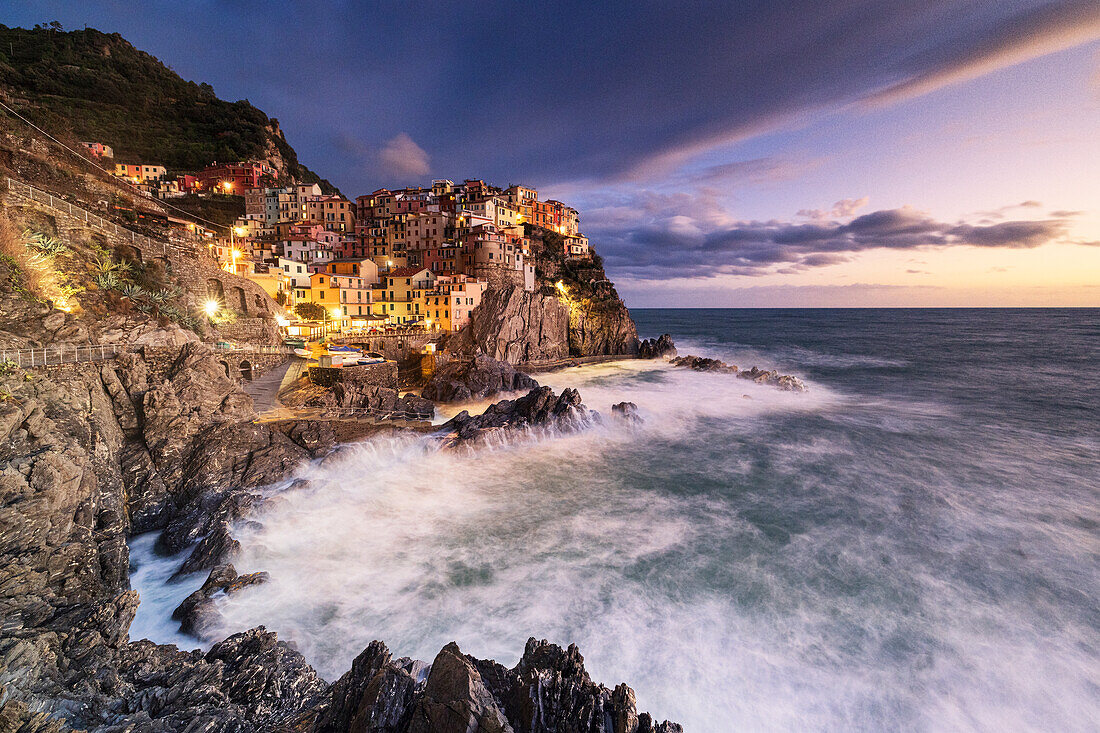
x: 233, y: 177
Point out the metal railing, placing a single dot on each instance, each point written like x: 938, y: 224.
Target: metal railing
x: 95, y: 221
x: 254, y: 349
x: 61, y: 354
x: 321, y: 413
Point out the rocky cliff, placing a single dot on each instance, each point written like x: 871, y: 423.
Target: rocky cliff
x: 516, y: 326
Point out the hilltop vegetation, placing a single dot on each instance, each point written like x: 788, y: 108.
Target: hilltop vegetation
x: 96, y: 86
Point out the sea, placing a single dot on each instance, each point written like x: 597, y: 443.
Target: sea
x: 913, y: 544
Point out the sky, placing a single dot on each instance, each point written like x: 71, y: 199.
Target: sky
x: 772, y: 154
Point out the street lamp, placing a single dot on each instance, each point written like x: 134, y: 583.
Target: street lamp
x: 211, y: 307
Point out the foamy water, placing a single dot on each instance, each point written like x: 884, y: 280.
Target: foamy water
x: 856, y: 557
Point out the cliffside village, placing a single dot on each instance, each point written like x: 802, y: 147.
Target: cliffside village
x: 412, y: 258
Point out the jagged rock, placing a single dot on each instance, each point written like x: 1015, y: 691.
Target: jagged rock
x: 251, y: 681
x: 198, y: 614
x: 659, y: 348
x: 517, y: 326
x: 455, y: 699
x: 703, y: 364
x: 201, y: 517
x: 784, y: 382
x: 216, y: 548
x: 513, y: 325
x: 549, y: 690
x: 376, y: 694
x: 482, y: 376
x: 538, y: 408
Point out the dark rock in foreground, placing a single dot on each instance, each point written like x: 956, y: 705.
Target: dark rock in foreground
x: 785, y: 382
x: 659, y: 348
x: 539, y: 408
x: 547, y: 692
x: 197, y: 614
x: 482, y: 376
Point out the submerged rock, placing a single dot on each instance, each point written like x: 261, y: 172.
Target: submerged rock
x: 482, y: 376
x: 197, y: 613
x: 538, y: 408
x: 214, y: 549
x: 626, y: 411
x: 785, y: 382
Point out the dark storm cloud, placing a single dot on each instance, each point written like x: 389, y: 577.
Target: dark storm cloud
x: 679, y: 246
x: 565, y: 91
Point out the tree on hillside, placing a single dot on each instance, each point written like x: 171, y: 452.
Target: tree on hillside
x: 310, y: 311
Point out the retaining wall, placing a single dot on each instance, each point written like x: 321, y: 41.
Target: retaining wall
x: 375, y: 375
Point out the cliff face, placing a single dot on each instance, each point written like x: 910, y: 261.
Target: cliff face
x: 599, y: 324
x: 516, y: 326
x: 574, y: 311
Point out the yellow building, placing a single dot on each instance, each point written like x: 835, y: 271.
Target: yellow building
x: 402, y: 294
x: 349, y: 294
x: 447, y: 306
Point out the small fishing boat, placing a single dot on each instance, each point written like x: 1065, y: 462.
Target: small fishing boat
x: 304, y: 353
x: 371, y: 357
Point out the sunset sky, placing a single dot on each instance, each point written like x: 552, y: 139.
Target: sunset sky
x: 726, y: 154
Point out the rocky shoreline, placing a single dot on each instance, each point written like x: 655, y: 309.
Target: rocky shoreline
x: 92, y: 454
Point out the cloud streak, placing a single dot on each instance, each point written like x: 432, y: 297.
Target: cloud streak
x: 683, y: 247
x: 631, y: 91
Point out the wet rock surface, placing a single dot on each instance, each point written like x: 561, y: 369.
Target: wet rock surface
x: 548, y: 691
x: 626, y: 411
x: 482, y: 376
x: 660, y: 348
x: 785, y: 382
x: 539, y: 408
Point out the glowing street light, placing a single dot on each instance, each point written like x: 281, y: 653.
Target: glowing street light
x: 560, y: 286
x: 211, y: 307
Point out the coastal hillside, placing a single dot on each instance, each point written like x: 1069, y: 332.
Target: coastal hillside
x: 90, y: 85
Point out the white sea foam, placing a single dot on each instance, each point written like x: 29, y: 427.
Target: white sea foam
x: 738, y: 566
x: 149, y: 575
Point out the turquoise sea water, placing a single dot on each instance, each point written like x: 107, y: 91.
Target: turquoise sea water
x: 914, y: 544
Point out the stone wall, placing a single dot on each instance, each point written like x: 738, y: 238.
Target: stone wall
x: 375, y: 375
x: 498, y: 277
x: 239, y: 365
x: 258, y: 331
